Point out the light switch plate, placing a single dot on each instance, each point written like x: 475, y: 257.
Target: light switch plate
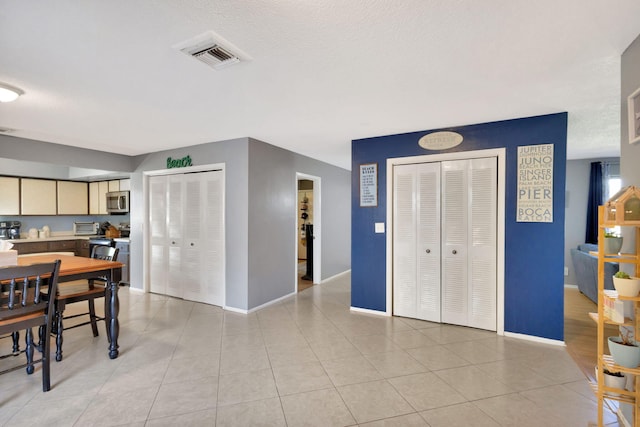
x: 379, y: 227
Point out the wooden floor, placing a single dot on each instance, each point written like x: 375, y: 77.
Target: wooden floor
x: 580, y: 332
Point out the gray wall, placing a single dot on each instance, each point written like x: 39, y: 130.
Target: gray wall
x: 577, y: 194
x: 273, y: 214
x: 261, y: 212
x: 629, y: 154
x: 234, y: 154
x: 63, y: 155
x: 577, y: 191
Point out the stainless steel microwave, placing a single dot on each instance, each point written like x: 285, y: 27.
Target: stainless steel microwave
x: 117, y: 202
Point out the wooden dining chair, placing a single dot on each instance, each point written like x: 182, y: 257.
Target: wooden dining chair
x: 24, y: 305
x: 82, y: 290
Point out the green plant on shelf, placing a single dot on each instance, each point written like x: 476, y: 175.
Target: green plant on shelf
x: 621, y: 275
x: 611, y: 234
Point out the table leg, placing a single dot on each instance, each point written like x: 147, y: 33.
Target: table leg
x: 111, y: 317
x: 58, y: 320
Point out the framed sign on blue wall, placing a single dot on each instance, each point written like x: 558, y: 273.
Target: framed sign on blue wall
x: 368, y: 185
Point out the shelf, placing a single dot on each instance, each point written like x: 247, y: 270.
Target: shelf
x: 627, y: 321
x: 623, y: 257
x: 613, y: 395
x: 610, y: 300
x: 607, y: 360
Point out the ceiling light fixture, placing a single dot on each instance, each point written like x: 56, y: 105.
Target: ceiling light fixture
x: 9, y: 93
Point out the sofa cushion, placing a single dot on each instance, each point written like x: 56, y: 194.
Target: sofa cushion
x: 585, y: 267
x: 587, y: 247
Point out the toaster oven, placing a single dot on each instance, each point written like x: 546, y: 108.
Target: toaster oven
x: 86, y: 228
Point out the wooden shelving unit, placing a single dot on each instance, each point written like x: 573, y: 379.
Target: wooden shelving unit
x: 605, y: 360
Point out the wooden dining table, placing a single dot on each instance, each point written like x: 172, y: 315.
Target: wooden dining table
x: 76, y: 268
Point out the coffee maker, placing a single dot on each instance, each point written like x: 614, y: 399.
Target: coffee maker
x: 14, y: 229
x: 4, y: 230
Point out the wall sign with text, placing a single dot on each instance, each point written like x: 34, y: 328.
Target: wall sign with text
x: 179, y: 163
x: 369, y: 185
x: 535, y: 183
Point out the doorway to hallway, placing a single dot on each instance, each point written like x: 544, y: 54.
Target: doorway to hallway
x: 307, y: 214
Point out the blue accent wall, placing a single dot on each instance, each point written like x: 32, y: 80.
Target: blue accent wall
x: 534, y: 252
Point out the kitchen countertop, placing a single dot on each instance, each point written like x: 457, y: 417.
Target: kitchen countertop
x: 65, y: 237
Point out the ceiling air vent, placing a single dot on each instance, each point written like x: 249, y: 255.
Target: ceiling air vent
x: 212, y: 50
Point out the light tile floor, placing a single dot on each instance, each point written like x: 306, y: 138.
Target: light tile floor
x: 307, y: 361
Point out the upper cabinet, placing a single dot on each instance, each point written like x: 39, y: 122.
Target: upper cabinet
x: 35, y: 196
x: 10, y: 190
x: 38, y: 197
x: 98, y: 197
x: 73, y: 198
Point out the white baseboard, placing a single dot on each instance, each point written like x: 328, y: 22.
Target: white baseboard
x: 235, y: 310
x: 335, y: 276
x: 566, y: 285
x: 367, y: 311
x: 267, y: 304
x: 534, y: 339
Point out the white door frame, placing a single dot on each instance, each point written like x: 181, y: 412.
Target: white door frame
x: 500, y: 154
x: 146, y: 237
x: 317, y: 227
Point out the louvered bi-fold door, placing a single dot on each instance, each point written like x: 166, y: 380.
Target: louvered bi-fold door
x: 175, y: 203
x: 187, y: 236
x: 404, y: 241
x: 483, y: 248
x: 417, y: 241
x: 454, y: 242
x: 194, y: 238
x: 469, y: 194
x: 157, y: 231
x: 203, y: 250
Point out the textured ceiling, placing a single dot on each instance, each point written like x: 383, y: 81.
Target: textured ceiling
x: 105, y: 75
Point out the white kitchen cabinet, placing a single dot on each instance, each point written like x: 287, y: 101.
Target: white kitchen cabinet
x: 114, y: 185
x: 10, y: 190
x: 98, y: 197
x: 125, y: 185
x: 73, y: 198
x: 38, y: 197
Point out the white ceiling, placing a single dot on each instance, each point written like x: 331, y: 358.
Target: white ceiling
x: 105, y: 75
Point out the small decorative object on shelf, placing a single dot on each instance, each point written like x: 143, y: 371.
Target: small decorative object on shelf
x: 624, y: 350
x: 626, y: 285
x: 612, y: 243
x: 613, y: 379
x: 623, y: 208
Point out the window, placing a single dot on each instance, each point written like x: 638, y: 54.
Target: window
x: 613, y: 183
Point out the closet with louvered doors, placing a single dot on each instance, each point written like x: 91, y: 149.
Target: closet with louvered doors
x: 186, y: 217
x: 444, y: 242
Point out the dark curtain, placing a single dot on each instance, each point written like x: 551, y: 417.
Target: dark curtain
x: 595, y: 200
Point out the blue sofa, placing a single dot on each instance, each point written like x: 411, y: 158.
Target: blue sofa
x: 586, y: 270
